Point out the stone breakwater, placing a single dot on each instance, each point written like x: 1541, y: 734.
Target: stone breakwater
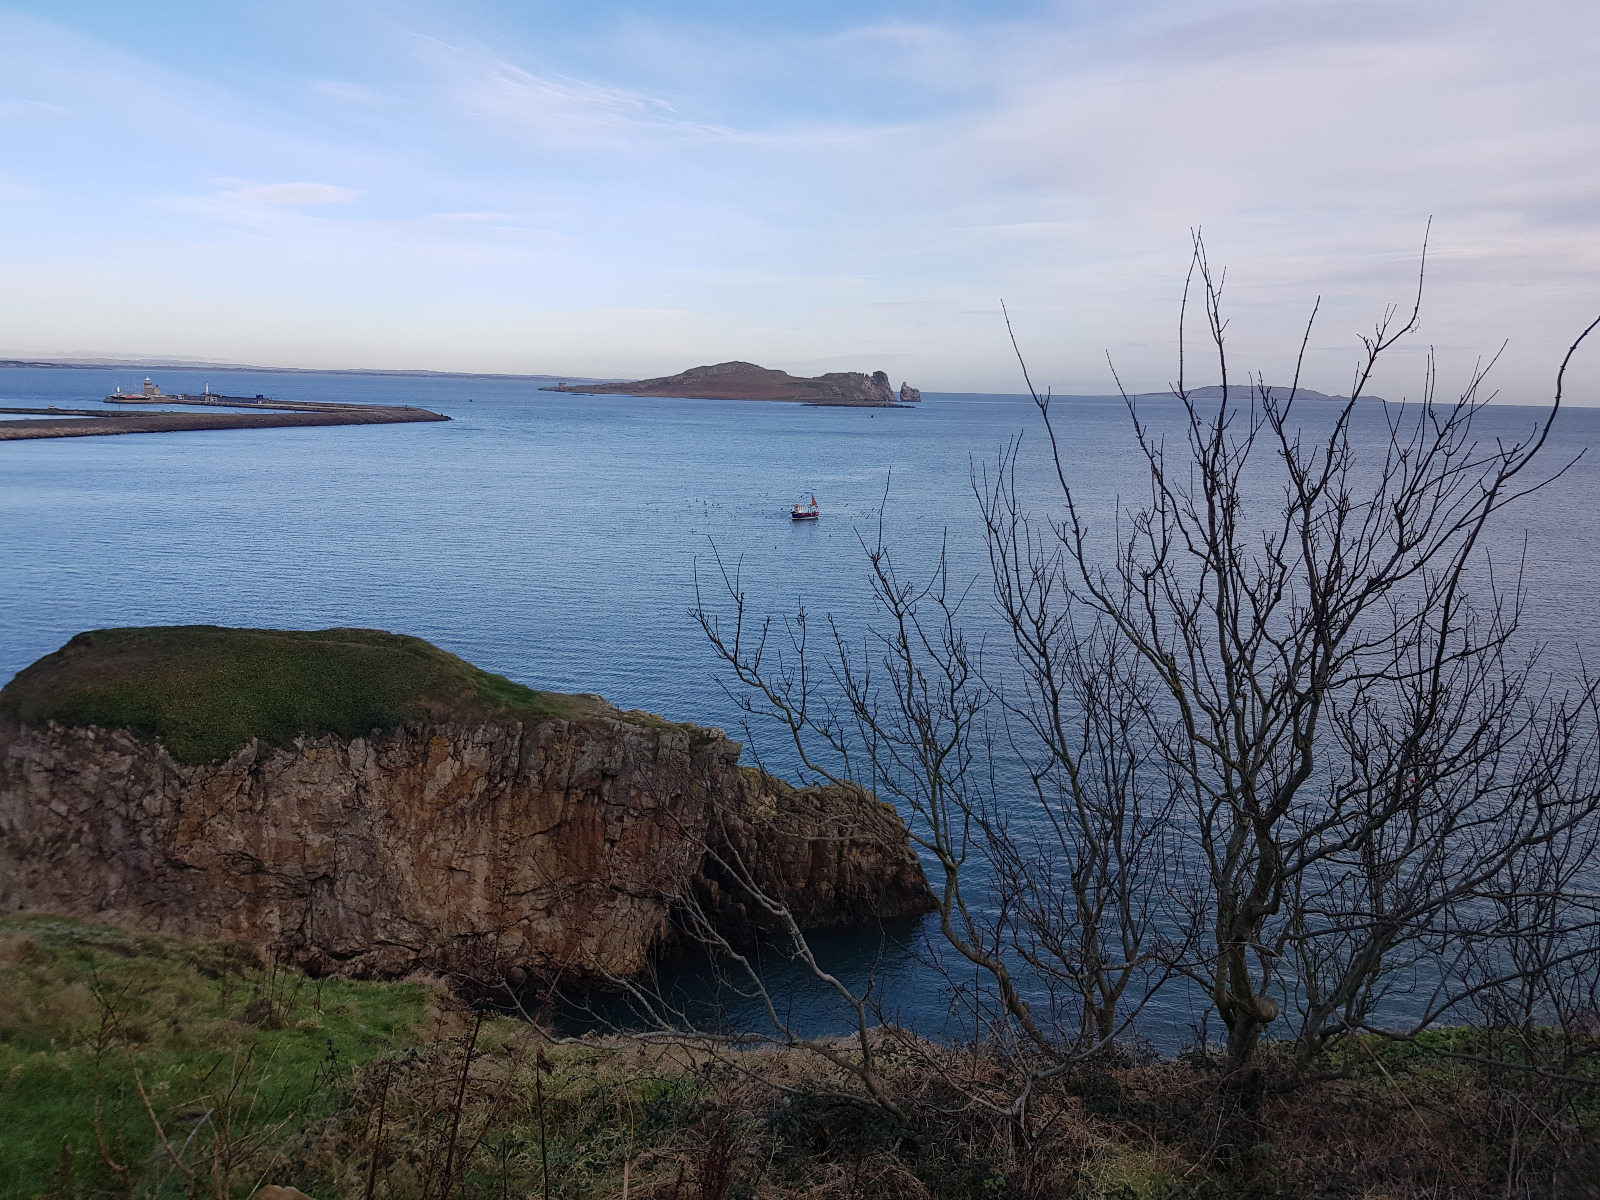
x: 74, y: 422
x: 559, y: 848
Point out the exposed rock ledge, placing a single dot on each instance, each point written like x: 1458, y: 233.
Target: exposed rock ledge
x: 557, y: 847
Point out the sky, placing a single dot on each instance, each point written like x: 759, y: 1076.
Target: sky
x: 624, y: 190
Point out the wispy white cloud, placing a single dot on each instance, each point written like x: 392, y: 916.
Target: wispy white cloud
x: 831, y: 187
x: 1311, y: 141
x: 10, y: 189
x: 347, y: 92
x: 17, y: 108
x: 275, y: 195
x: 545, y: 108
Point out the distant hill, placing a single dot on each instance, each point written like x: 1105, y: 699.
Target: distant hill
x: 747, y: 381
x: 1240, y: 391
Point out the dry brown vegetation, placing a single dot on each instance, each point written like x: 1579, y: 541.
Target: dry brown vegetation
x: 615, y: 1117
x: 136, y: 1066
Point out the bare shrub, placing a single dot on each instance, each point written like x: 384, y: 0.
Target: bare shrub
x: 1284, y: 736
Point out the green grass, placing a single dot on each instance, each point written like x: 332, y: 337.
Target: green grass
x: 204, y: 1026
x: 260, y: 1076
x: 205, y: 691
x: 293, y: 1069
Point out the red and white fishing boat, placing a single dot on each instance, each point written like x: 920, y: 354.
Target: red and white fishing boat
x: 801, y: 512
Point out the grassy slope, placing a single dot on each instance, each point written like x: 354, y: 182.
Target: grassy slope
x: 185, y: 1021
x: 205, y: 691
x: 292, y: 1071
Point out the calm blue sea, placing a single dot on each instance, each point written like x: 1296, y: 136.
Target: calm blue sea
x: 555, y: 538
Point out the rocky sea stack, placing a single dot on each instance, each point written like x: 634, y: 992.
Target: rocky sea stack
x: 364, y: 803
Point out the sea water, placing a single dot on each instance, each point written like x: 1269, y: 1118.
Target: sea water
x: 558, y: 539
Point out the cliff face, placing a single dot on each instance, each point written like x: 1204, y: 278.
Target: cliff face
x: 909, y: 394
x: 553, y: 847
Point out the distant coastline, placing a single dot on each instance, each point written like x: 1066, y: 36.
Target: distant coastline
x: 178, y: 364
x: 1246, y: 391
x: 598, y: 384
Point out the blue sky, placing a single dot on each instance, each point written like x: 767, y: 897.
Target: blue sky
x: 608, y: 189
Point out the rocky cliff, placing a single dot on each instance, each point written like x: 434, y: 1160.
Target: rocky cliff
x: 553, y: 846
x: 747, y: 381
x: 909, y: 394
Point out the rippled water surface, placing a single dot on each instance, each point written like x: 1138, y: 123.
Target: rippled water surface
x: 554, y: 538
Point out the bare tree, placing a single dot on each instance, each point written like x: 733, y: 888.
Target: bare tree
x: 1061, y: 901
x: 1279, y: 730
x: 899, y: 714
x: 1360, y: 750
x: 1084, y: 870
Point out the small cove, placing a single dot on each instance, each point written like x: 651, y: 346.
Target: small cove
x: 555, y: 538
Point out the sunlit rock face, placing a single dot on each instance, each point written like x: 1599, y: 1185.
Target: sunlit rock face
x: 534, y: 850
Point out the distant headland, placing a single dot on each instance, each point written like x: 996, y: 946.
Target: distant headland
x: 1249, y: 390
x: 747, y: 381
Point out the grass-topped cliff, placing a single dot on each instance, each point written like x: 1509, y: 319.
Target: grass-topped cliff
x: 205, y: 691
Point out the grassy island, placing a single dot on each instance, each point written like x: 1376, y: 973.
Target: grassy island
x: 205, y: 691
